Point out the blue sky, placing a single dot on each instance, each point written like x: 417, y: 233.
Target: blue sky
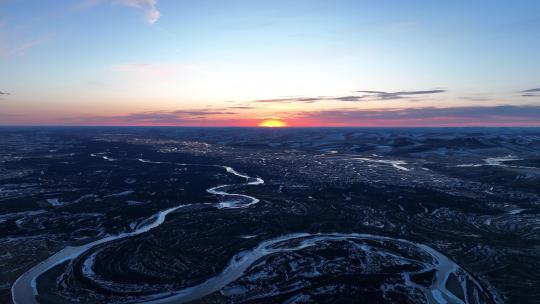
x: 236, y: 62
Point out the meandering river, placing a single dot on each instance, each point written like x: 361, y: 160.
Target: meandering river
x: 25, y: 289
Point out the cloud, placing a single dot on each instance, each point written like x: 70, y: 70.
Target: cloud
x: 243, y: 107
x: 426, y: 116
x: 366, y: 96
x: 534, y: 90
x: 16, y: 42
x: 530, y: 92
x: 382, y: 95
x: 155, y: 117
x: 306, y: 99
x: 201, y: 113
x: 149, y: 6
x: 349, y: 98
x: 4, y: 93
x: 288, y: 100
x: 502, y: 115
x: 151, y: 13
x: 145, y: 117
x: 30, y: 44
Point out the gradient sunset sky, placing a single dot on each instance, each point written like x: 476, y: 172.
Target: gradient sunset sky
x: 239, y: 63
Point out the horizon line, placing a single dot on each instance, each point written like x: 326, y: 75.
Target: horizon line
x: 259, y: 127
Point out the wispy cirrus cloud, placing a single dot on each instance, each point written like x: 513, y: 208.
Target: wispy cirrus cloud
x: 31, y: 43
x: 382, y: 95
x: 365, y: 96
x: 151, y: 12
x: 149, y: 7
x: 202, y: 113
x: 243, y: 107
x: 306, y: 99
x: 15, y: 41
x: 288, y: 100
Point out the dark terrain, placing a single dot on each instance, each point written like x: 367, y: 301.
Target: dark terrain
x: 344, y: 215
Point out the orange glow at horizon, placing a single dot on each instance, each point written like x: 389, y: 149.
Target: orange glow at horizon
x: 272, y: 123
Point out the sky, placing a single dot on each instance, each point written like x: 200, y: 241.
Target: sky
x: 377, y: 63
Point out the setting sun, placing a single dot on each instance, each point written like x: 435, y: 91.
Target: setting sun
x: 272, y: 123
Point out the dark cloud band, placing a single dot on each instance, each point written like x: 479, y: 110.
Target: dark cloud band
x: 382, y: 95
x: 534, y: 90
x: 528, y: 114
x: 366, y: 95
